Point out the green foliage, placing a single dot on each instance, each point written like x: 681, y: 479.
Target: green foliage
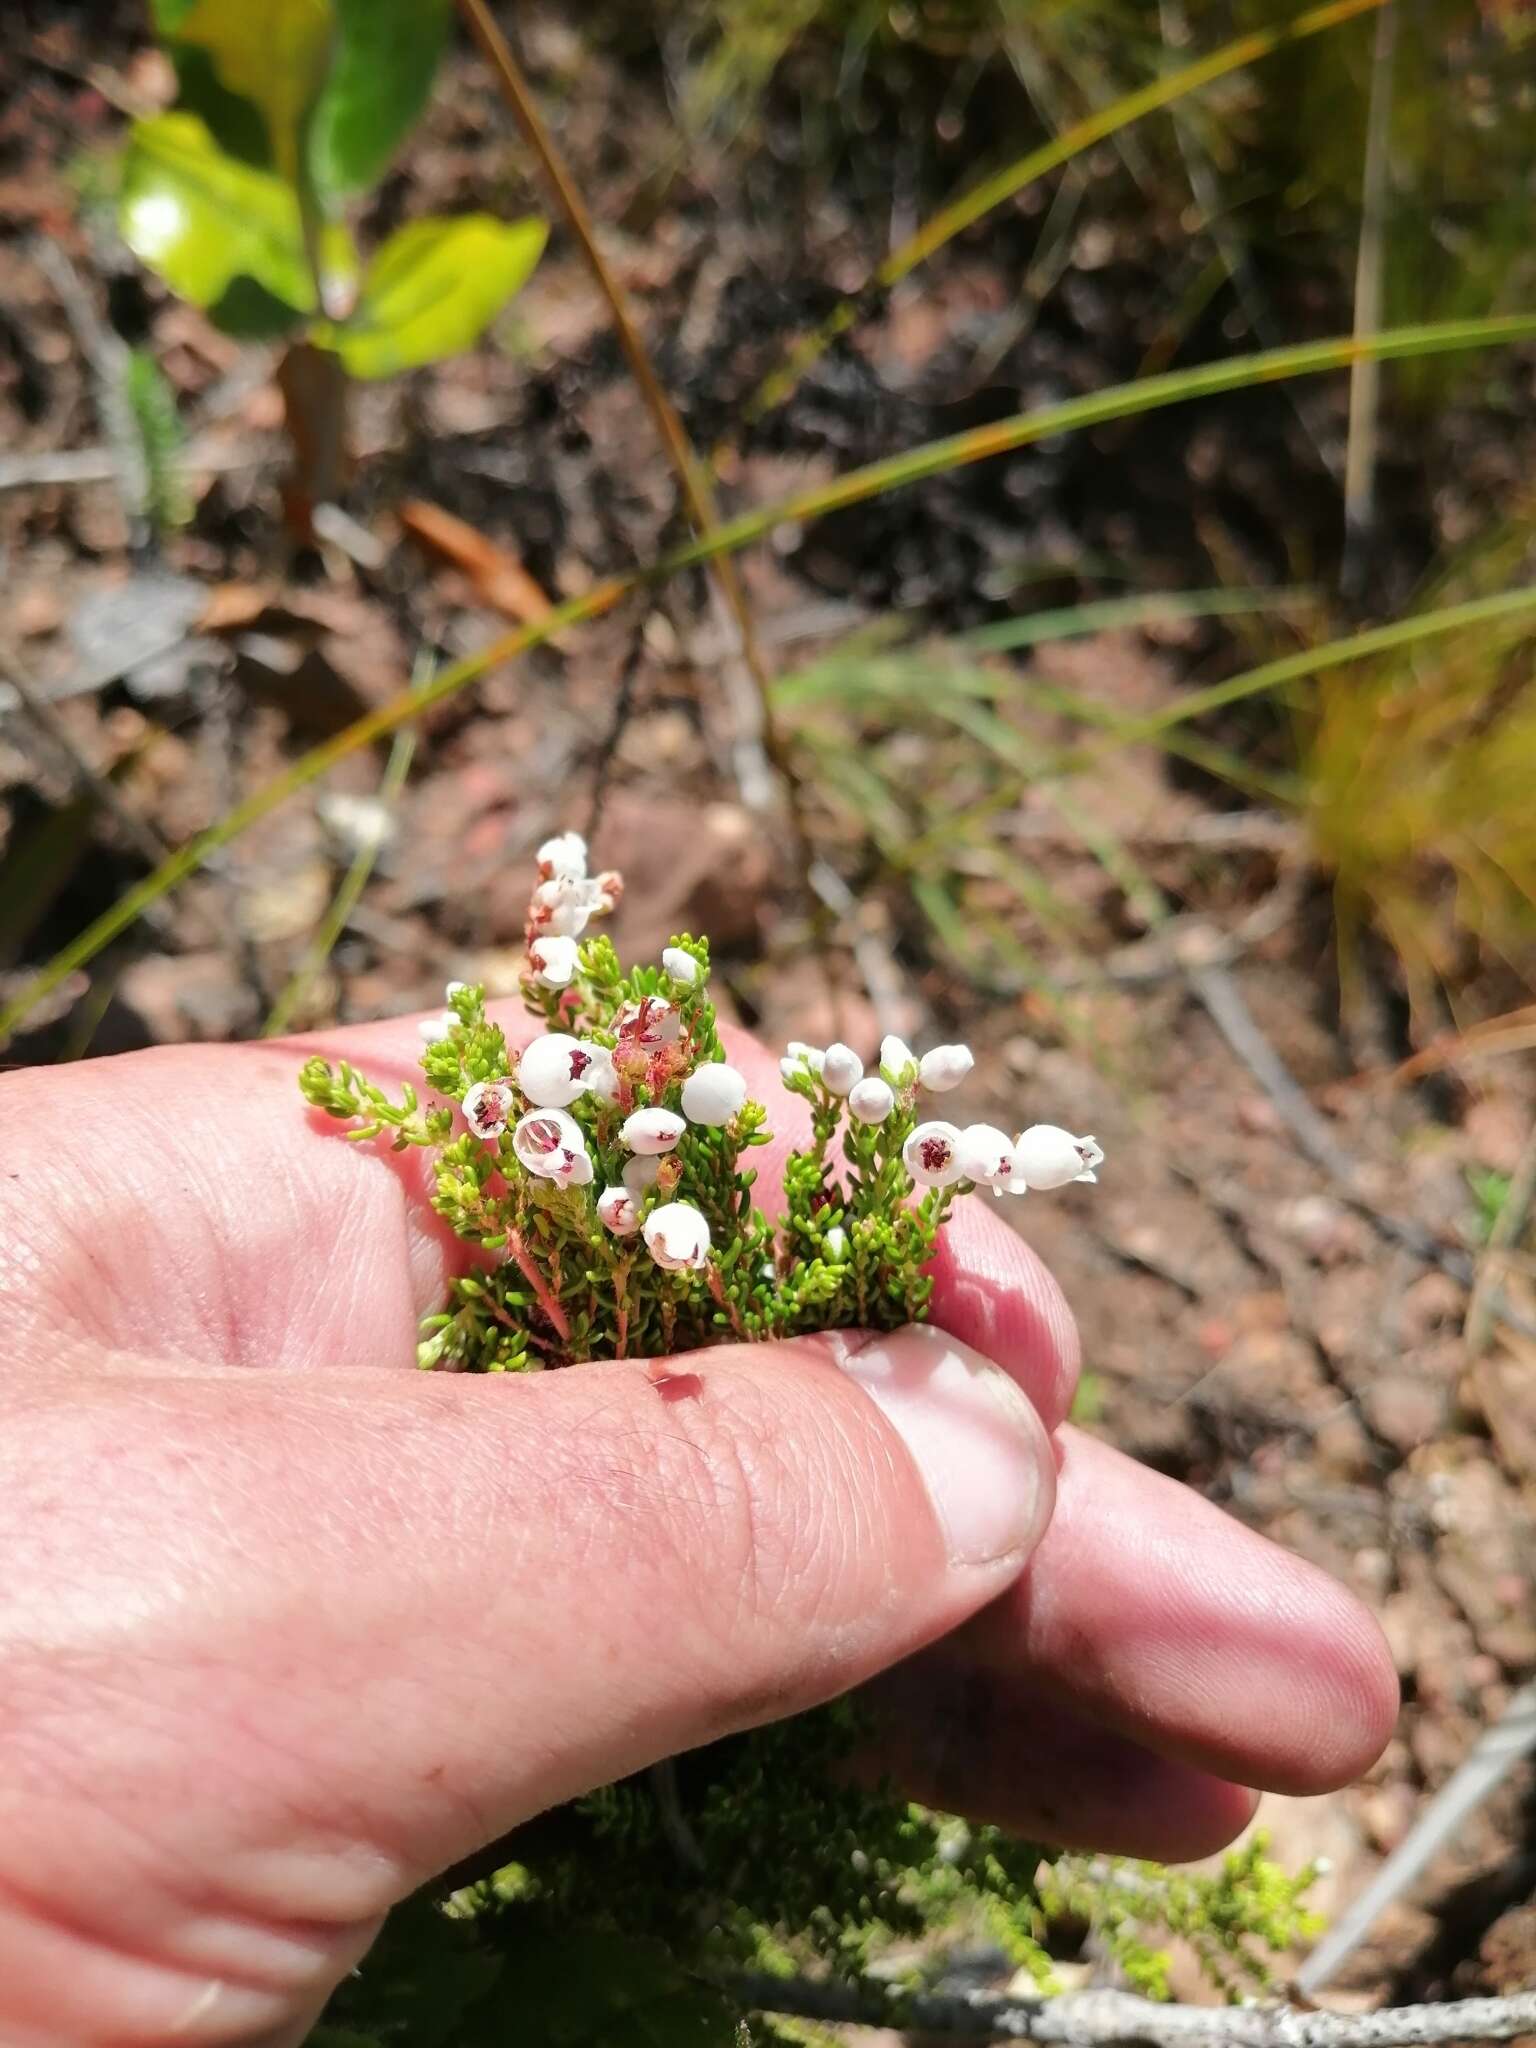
x: 338, y: 82
x: 380, y: 79
x: 203, y: 220
x: 1490, y: 1191
x: 432, y: 290
x: 286, y: 111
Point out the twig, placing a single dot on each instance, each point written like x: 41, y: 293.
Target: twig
x: 1498, y: 1750
x: 623, y: 711
x: 1365, y: 374
x: 1507, y: 1226
x: 693, y: 479
x: 52, y: 466
x: 1119, y: 2019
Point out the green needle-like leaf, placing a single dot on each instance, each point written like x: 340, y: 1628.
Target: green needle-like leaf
x: 432, y: 290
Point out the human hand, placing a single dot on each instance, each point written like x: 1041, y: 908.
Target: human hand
x: 287, y: 1627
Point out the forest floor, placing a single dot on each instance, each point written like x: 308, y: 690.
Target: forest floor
x: 1272, y: 1279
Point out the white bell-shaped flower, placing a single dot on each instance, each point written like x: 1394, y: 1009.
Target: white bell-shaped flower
x: 871, y: 1100
x: 564, y: 855
x: 554, y: 961
x: 487, y: 1106
x: 841, y: 1068
x: 932, y: 1155
x: 565, y: 905
x: 618, y: 1212
x: 652, y: 1131
x: 551, y: 1145
x: 898, y: 1062
x: 1046, y: 1156
x: 677, y: 1236
x: 945, y: 1067
x: 834, y: 1243
x: 712, y: 1094
x: 680, y: 967
x: 641, y: 1172
x: 985, y: 1156
x: 554, y: 1069
x: 437, y: 1026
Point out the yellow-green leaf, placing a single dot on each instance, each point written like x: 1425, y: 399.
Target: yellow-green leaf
x: 432, y: 290
x: 210, y: 225
x: 275, y: 55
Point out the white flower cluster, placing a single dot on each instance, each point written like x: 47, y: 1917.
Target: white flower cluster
x: 555, y: 1070
x: 938, y: 1154
x: 565, y: 901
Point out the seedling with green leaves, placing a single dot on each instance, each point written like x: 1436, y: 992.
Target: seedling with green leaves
x: 287, y: 116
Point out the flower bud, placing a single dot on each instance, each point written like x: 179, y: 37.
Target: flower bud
x: 680, y: 967
x: 677, y: 1237
x: 640, y: 1173
x: 841, y: 1068
x: 897, y: 1062
x: 486, y: 1108
x: 553, y: 1070
x: 712, y: 1094
x: 551, y: 1145
x: 932, y: 1155
x: 945, y: 1067
x: 871, y: 1100
x: 454, y: 990
x: 985, y: 1155
x: 565, y: 855
x: 554, y: 961
x: 431, y: 1029
x: 652, y: 1131
x: 834, y: 1245
x: 617, y: 1211
x: 1046, y: 1156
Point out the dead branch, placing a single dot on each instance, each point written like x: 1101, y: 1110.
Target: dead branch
x: 1120, y: 2019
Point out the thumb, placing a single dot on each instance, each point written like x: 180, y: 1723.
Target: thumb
x: 352, y: 1629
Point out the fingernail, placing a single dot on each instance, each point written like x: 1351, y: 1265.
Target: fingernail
x: 973, y: 1434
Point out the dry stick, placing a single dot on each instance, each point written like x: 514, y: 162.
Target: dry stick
x: 1365, y: 376
x: 693, y: 479
x: 1119, y: 2019
x: 1498, y: 1750
x: 1507, y: 1226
